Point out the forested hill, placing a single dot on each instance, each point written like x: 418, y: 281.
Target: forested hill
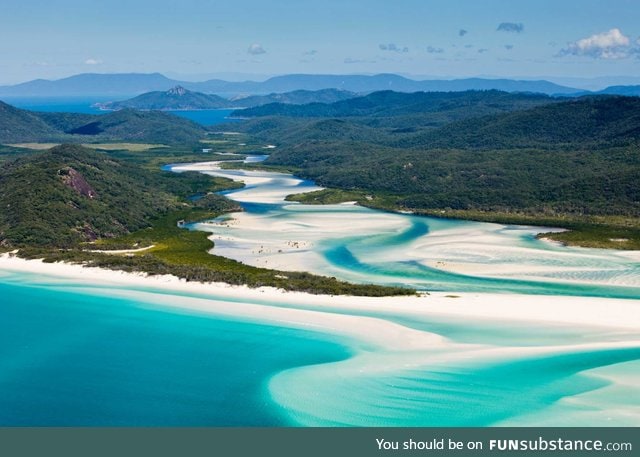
x: 530, y: 121
x: 588, y: 121
x: 18, y: 126
x: 70, y: 194
x: 177, y: 98
x: 448, y: 105
x: 296, y: 97
x: 21, y: 125
x: 577, y: 157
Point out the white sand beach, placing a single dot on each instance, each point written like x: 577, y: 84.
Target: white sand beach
x: 430, y: 344
x: 583, y: 311
x: 391, y: 338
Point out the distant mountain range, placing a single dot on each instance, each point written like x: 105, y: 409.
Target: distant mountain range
x: 630, y: 91
x: 129, y: 84
x: 179, y: 98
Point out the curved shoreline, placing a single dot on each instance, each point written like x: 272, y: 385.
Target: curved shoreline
x: 417, y: 251
x: 585, y: 311
x: 445, y: 358
x: 390, y: 348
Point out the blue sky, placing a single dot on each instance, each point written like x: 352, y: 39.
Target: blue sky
x: 56, y: 38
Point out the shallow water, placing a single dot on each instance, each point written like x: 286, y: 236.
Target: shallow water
x: 363, y: 245
x: 71, y: 355
x: 78, y: 352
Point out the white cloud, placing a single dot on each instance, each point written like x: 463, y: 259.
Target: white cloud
x: 606, y: 45
x: 93, y: 62
x: 256, y: 49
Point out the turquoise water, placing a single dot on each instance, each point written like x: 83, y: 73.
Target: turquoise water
x: 70, y: 355
x: 429, y: 254
x: 206, y: 116
x: 74, y: 358
x: 451, y: 393
x: 79, y: 353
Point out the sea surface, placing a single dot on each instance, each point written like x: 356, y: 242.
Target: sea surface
x: 76, y: 352
x: 70, y: 355
x: 85, y: 105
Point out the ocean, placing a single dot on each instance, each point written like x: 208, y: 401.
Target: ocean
x: 71, y: 355
x: 84, y: 105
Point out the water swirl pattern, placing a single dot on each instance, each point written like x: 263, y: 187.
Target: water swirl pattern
x: 514, y: 330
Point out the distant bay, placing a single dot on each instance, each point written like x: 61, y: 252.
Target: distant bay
x: 85, y: 105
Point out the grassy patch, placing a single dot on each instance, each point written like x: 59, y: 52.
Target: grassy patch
x: 34, y: 146
x: 133, y: 147
x: 599, y: 236
x: 328, y: 197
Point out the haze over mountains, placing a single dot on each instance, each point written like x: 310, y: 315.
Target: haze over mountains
x: 179, y: 98
x: 127, y: 84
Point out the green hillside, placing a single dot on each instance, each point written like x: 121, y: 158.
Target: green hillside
x: 296, y: 97
x: 21, y: 126
x: 66, y: 203
x: 132, y: 125
x: 177, y: 98
x: 591, y: 121
x: 572, y: 163
x: 17, y: 125
x: 409, y: 110
x: 71, y: 194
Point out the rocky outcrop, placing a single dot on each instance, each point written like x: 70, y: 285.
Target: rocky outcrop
x: 76, y: 181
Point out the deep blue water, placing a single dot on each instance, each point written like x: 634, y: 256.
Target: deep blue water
x: 84, y: 105
x: 58, y: 104
x: 207, y: 116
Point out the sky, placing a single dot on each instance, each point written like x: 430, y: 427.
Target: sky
x: 253, y: 39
